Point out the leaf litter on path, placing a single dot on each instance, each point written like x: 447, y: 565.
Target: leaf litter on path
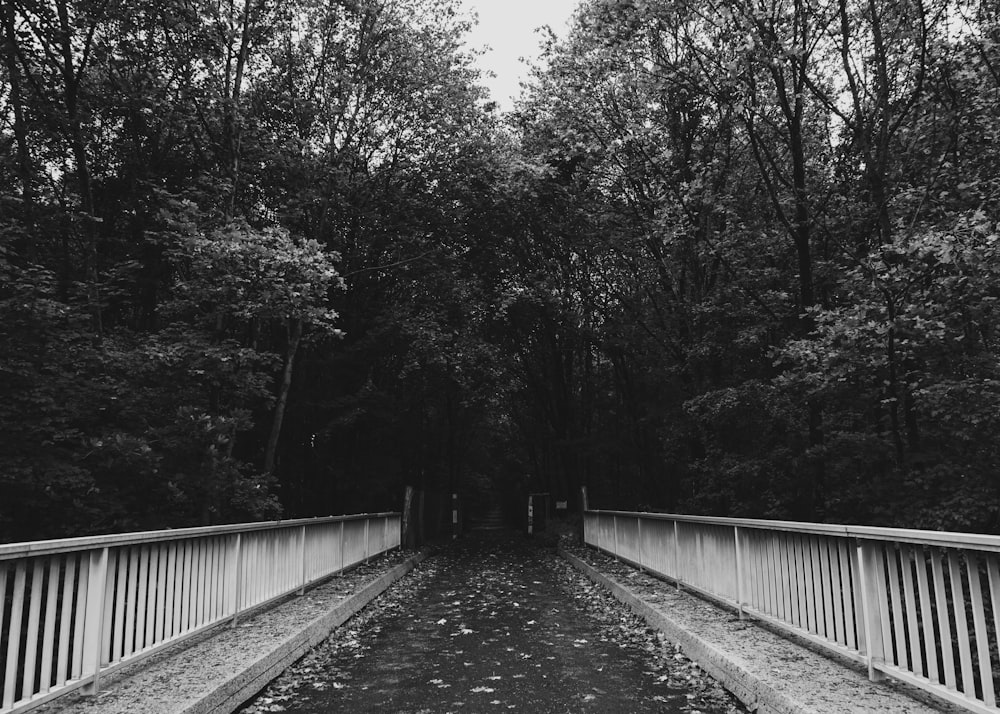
x: 454, y: 625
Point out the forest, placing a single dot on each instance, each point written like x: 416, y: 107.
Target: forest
x: 266, y: 259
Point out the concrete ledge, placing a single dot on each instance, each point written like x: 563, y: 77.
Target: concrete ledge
x: 230, y: 695
x: 763, y: 670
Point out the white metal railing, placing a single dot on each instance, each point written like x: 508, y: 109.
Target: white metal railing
x: 75, y: 609
x: 922, y: 607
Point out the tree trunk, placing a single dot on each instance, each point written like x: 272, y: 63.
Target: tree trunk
x: 231, y: 128
x: 17, y: 104
x: 294, y: 338
x: 71, y: 97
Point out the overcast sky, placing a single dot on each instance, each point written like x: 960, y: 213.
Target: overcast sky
x: 508, y: 27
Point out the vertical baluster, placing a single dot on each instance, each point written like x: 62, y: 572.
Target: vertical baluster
x: 183, y: 624
x: 738, y: 550
x: 150, y: 604
x: 927, y: 615
x: 781, y: 576
x: 273, y: 573
x: 142, y: 599
x: 824, y: 613
x: 31, y: 640
x: 237, y: 589
x: 806, y: 605
x: 910, y: 609
x: 213, y: 579
x: 871, y: 580
x: 249, y: 544
x: 121, y: 588
x: 170, y: 592
x: 792, y: 578
x: 82, y: 583
x: 341, y: 568
x: 898, y: 622
x: 993, y: 576
x: 943, y: 620
x: 836, y: 590
x: 302, y: 576
x: 846, y: 581
x: 638, y: 529
x: 205, y: 576
x: 14, y: 639
x: 131, y: 601
x: 49, y: 636
x: 199, y: 586
x: 93, y: 630
x: 788, y: 546
x: 109, y: 604
x: 767, y: 572
x: 814, y: 599
x: 677, y: 555
x: 961, y: 624
x: 225, y: 577
x: 854, y: 553
x: 267, y: 571
x: 979, y: 622
x: 760, y: 573
x: 65, y: 619
x: 5, y: 565
x: 762, y: 570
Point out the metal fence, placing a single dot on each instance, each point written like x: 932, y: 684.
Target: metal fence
x: 73, y: 610
x: 922, y: 607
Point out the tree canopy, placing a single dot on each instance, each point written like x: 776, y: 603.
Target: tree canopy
x: 263, y: 259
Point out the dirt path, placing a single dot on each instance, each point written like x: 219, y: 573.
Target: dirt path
x: 494, y: 624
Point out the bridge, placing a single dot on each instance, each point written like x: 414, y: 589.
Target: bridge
x: 890, y: 607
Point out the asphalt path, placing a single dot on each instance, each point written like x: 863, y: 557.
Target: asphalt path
x: 493, y: 623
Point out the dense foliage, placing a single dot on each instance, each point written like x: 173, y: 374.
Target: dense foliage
x: 266, y: 259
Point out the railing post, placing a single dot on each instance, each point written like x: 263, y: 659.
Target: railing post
x: 677, y: 555
x: 237, y: 554
x: 869, y: 565
x: 302, y: 560
x: 739, y: 570
x: 93, y: 627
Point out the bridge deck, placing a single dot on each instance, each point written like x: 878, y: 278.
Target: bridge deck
x: 494, y: 623
x: 491, y: 624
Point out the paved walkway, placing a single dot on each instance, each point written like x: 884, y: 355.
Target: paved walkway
x: 494, y: 623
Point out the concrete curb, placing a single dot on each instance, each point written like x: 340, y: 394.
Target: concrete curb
x: 755, y: 693
x: 230, y: 695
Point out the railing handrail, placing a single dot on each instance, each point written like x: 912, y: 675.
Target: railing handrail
x: 9, y: 551
x: 954, y: 539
